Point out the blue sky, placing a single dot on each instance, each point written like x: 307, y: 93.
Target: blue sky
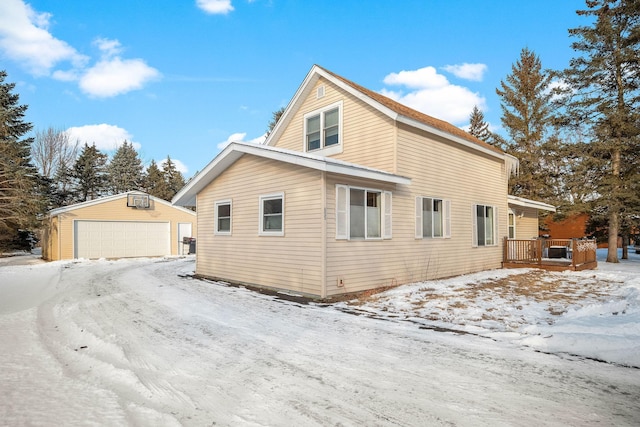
x: 182, y: 78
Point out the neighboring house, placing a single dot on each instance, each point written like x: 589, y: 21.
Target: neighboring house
x: 131, y: 224
x: 571, y: 227
x: 352, y: 191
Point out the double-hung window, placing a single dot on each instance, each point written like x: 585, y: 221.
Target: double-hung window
x: 362, y: 213
x: 484, y: 225
x: 433, y: 218
x: 322, y: 128
x: 272, y: 215
x: 222, y: 214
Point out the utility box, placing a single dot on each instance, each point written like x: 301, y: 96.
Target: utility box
x: 557, y: 252
x: 191, y: 241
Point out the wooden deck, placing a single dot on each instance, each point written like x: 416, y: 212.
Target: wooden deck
x: 550, y: 254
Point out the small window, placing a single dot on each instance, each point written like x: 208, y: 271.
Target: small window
x: 272, y: 215
x: 223, y: 217
x: 512, y: 225
x: 484, y: 224
x: 433, y: 218
x: 322, y: 128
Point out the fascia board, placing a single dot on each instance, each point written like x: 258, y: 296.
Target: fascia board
x: 527, y: 203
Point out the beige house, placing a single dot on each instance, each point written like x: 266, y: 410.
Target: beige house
x: 131, y: 224
x: 351, y: 191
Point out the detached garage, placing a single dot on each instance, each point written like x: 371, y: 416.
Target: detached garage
x: 126, y: 225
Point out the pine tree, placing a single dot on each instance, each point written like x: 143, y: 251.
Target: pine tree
x: 154, y: 181
x: 275, y: 116
x: 604, y: 94
x: 125, y: 170
x: 172, y: 177
x: 478, y: 127
x: 526, y: 116
x: 90, y: 174
x: 20, y: 190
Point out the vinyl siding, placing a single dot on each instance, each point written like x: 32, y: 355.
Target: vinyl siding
x: 368, y: 136
x: 292, y: 261
x: 440, y: 169
x: 61, y: 226
x: 527, y: 224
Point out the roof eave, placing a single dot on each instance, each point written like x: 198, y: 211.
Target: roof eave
x: 528, y: 203
x: 232, y: 152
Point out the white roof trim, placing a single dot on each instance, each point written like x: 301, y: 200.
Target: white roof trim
x: 527, y: 203
x: 232, y: 152
x: 63, y: 209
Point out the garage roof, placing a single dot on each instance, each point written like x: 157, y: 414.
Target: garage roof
x: 105, y: 199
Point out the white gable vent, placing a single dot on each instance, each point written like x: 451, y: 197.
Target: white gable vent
x: 320, y: 92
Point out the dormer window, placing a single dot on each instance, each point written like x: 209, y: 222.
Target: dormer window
x: 322, y: 128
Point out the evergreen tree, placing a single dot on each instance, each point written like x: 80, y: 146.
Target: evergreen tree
x: 154, y: 181
x: 172, y: 177
x: 90, y: 174
x: 604, y: 93
x: 20, y: 189
x: 125, y: 170
x: 478, y: 127
x: 274, y: 120
x: 526, y: 116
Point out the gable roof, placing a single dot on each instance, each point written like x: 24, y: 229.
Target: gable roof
x: 106, y: 199
x: 393, y: 109
x: 232, y: 152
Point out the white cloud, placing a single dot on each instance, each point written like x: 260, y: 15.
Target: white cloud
x: 432, y: 94
x: 106, y: 137
x: 112, y: 75
x: 108, y: 47
x: 239, y: 137
x: 115, y: 76
x: 24, y: 38
x: 466, y: 71
x: 423, y: 78
x: 215, y: 6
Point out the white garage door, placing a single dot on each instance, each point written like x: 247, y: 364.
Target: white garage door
x: 121, y: 239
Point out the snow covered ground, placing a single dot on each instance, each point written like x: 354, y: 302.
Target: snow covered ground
x: 135, y: 342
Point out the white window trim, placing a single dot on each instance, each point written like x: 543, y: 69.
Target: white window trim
x: 324, y: 151
x: 446, y: 218
x: 475, y: 225
x: 515, y: 221
x: 343, y: 214
x: 215, y: 217
x: 261, y: 231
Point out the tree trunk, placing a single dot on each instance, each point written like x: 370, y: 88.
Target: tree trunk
x: 614, y: 214
x: 625, y: 249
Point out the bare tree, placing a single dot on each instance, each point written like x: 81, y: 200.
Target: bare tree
x: 52, y: 152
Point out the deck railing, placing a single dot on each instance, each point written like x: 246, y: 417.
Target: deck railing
x: 571, y: 252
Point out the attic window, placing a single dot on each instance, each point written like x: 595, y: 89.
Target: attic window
x: 322, y: 128
x: 320, y: 92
